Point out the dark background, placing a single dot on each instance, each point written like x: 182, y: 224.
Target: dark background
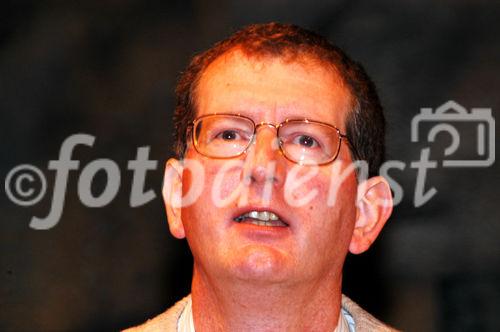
x: 108, y: 69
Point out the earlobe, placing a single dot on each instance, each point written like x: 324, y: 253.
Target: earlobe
x: 374, y: 207
x: 172, y: 196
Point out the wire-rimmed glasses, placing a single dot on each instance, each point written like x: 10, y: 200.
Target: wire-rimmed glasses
x: 302, y: 141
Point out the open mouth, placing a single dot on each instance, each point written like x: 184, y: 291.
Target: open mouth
x: 261, y: 218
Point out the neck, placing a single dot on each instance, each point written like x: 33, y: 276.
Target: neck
x: 236, y: 305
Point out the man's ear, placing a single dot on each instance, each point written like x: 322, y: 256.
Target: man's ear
x: 172, y: 196
x: 374, y: 206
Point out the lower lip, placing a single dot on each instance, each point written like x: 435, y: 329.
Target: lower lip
x: 270, y: 223
x: 258, y: 232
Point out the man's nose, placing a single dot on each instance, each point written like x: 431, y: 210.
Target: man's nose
x: 264, y: 162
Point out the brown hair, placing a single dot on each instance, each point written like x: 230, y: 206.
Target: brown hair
x: 365, y: 122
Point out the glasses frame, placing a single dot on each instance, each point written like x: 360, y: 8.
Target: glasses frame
x: 192, y: 125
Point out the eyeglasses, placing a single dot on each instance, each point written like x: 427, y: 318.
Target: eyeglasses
x: 304, y: 141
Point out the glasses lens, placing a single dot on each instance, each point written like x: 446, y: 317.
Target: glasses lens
x: 222, y: 136
x: 309, y: 142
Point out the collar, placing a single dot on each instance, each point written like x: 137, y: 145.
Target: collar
x: 185, y: 323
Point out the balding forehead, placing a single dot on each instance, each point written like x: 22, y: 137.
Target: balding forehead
x: 230, y: 65
x: 259, y: 77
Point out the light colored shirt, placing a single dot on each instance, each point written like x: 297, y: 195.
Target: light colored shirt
x: 186, y: 322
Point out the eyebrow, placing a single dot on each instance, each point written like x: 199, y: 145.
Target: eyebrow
x: 293, y: 115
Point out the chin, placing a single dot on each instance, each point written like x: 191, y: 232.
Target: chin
x: 262, y: 263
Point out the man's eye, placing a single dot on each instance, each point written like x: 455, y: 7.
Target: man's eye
x: 228, y: 135
x: 306, y: 141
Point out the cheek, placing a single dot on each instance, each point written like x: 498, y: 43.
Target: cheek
x: 222, y: 185
x: 331, y: 233
x: 214, y: 185
x: 325, y: 189
x: 334, y: 204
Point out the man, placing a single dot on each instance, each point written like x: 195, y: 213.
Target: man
x: 268, y: 125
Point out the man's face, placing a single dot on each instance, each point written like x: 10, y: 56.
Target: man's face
x: 315, y: 236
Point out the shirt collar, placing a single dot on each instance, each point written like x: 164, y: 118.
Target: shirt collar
x: 186, y: 322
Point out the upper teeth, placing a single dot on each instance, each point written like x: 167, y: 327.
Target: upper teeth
x: 261, y: 215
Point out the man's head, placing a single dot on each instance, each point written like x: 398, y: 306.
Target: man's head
x: 365, y: 124
x: 260, y: 216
